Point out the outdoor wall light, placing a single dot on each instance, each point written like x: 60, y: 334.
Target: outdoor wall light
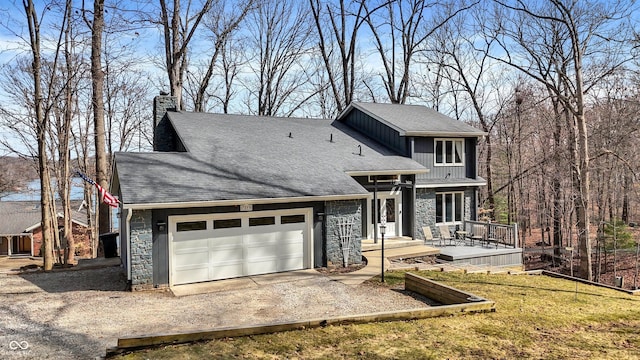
x: 161, y: 225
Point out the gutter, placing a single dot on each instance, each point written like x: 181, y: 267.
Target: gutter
x: 190, y: 204
x: 441, y: 185
x: 445, y: 134
x: 387, y: 172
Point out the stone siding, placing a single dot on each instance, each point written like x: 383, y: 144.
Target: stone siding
x: 335, y: 210
x: 469, y: 200
x: 163, y: 138
x: 426, y: 210
x: 141, y: 250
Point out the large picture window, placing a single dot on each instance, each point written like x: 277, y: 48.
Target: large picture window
x: 449, y: 151
x: 449, y: 207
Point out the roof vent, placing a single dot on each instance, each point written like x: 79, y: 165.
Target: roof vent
x: 290, y: 136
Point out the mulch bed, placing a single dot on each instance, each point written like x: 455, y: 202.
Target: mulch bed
x: 333, y: 269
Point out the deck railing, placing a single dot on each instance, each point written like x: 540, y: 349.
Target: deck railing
x: 499, y: 234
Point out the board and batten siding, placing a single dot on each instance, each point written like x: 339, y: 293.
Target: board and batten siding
x: 378, y: 131
x: 423, y: 153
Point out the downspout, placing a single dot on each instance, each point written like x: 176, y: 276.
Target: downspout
x: 127, y: 226
x: 375, y: 209
x: 413, y: 208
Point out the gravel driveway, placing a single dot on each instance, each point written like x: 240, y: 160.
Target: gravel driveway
x: 78, y: 314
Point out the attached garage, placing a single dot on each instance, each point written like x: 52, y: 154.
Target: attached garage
x: 223, y: 246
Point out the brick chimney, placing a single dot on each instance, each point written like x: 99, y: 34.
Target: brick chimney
x: 164, y: 137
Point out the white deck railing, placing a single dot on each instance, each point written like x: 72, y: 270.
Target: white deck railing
x: 499, y: 234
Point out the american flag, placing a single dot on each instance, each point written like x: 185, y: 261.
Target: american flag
x: 105, y: 196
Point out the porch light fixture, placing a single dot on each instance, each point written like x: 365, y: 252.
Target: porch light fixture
x: 161, y: 225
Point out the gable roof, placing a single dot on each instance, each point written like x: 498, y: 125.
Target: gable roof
x: 18, y: 217
x: 414, y: 120
x: 237, y: 158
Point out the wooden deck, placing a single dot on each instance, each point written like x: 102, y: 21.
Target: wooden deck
x: 481, y: 255
x: 473, y: 243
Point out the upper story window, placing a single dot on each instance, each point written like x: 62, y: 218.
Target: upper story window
x: 449, y: 152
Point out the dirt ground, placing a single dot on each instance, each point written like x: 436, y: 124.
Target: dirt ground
x: 625, y: 262
x: 78, y: 314
x: 14, y: 264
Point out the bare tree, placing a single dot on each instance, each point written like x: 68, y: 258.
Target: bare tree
x: 96, y: 24
x: 222, y: 23
x: 337, y: 29
x: 408, y: 23
x: 64, y: 137
x: 83, y: 147
x: 469, y: 72
x: 230, y: 64
x: 179, y: 26
x: 125, y: 92
x: 578, y: 30
x: 41, y: 113
x: 279, y: 34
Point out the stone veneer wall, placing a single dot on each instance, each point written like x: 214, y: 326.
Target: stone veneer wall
x: 162, y: 136
x: 426, y: 209
x: 425, y: 212
x: 469, y: 200
x: 335, y: 210
x: 141, y: 250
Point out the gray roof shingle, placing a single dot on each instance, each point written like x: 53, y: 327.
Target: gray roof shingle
x: 414, y: 120
x: 236, y: 157
x: 18, y: 216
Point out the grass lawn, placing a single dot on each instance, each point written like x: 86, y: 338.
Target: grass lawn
x: 537, y: 317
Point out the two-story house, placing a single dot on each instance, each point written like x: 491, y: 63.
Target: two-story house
x: 224, y: 196
x: 447, y: 192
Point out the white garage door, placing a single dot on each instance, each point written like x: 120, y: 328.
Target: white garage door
x: 223, y: 246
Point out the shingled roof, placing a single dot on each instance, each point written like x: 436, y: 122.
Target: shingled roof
x: 414, y: 120
x: 236, y: 157
x: 18, y: 217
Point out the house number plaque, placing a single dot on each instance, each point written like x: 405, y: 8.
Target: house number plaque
x: 246, y: 207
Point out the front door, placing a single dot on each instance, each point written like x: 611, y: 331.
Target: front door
x: 389, y: 211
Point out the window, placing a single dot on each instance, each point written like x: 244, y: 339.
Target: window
x: 262, y: 221
x: 389, y: 210
x: 449, y: 207
x: 291, y: 219
x: 227, y: 223
x: 449, y: 152
x: 191, y: 226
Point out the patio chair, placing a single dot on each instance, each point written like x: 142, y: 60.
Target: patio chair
x: 445, y: 234
x: 428, y: 236
x: 477, y: 233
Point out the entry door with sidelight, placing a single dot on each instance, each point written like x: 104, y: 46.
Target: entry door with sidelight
x: 389, y: 207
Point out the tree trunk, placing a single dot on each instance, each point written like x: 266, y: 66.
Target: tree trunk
x: 64, y: 182
x: 97, y: 82
x: 177, y: 35
x: 41, y: 135
x: 625, y: 198
x: 583, y: 196
x: 582, y: 199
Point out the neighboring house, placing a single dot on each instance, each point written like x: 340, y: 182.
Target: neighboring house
x: 21, y: 231
x: 226, y: 196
